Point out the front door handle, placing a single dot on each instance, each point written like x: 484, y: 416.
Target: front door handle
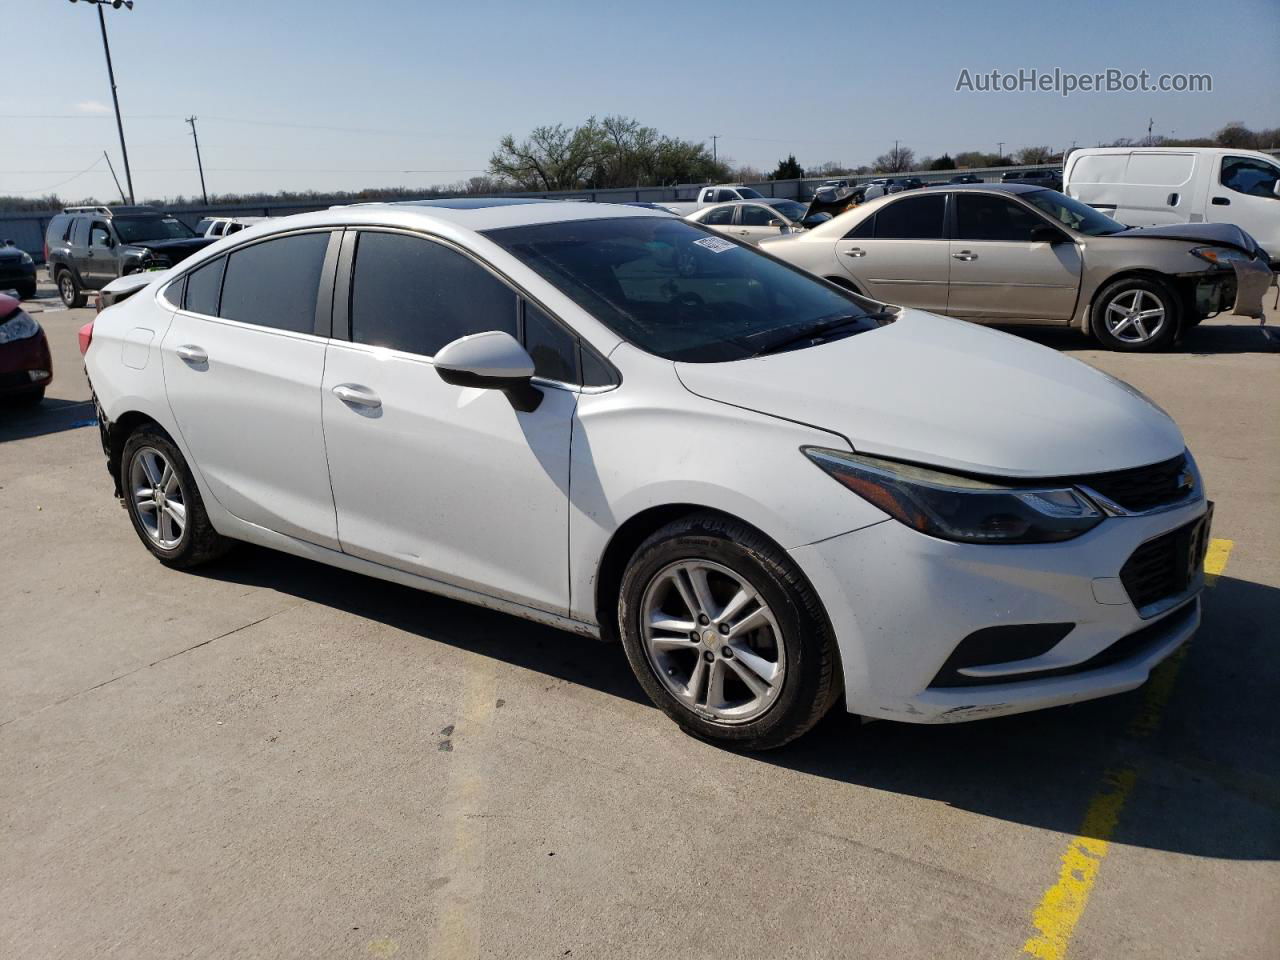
x: 1221, y: 202
x: 192, y: 354
x: 1173, y: 200
x: 743, y: 233
x: 357, y: 395
x: 965, y: 255
x: 855, y: 252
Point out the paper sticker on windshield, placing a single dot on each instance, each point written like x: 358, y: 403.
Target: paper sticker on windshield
x: 714, y: 244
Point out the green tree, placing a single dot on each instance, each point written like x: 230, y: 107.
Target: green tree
x: 788, y: 169
x: 943, y: 162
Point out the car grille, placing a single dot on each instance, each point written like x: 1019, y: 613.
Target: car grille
x: 1143, y: 488
x: 1166, y: 566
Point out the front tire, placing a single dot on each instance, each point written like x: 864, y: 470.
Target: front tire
x: 69, y: 290
x: 726, y: 635
x: 164, y: 503
x: 1135, y: 314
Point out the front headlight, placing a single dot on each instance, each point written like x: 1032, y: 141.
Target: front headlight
x: 19, y: 326
x: 1219, y: 255
x: 958, y: 508
x: 25, y: 259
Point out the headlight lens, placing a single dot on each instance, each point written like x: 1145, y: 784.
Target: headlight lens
x: 19, y: 326
x: 1220, y: 255
x: 26, y: 258
x: 958, y: 508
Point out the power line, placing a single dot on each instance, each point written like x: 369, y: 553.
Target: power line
x: 96, y: 161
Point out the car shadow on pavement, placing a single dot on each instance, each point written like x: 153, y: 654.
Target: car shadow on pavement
x: 18, y: 422
x: 1246, y: 336
x: 1208, y: 775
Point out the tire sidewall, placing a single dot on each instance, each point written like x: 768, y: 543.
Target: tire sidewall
x: 1117, y: 288
x: 190, y: 496
x: 801, y: 683
x: 67, y: 280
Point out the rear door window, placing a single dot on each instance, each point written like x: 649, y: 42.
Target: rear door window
x: 912, y: 218
x: 203, y: 287
x: 416, y: 295
x: 80, y: 232
x: 275, y: 283
x: 719, y: 217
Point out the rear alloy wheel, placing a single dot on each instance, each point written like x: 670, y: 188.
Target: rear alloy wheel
x: 69, y: 290
x: 1135, y: 314
x: 163, y: 502
x: 726, y: 635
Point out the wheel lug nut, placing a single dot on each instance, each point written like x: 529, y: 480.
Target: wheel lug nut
x: 708, y: 655
x: 726, y: 652
x: 704, y: 619
x: 693, y: 635
x: 724, y: 628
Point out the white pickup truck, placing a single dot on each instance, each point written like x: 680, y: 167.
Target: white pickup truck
x: 716, y: 193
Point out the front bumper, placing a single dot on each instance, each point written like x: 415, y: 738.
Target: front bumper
x: 901, y: 602
x: 21, y: 364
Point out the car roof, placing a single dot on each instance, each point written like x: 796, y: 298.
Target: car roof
x: 996, y: 187
x: 468, y: 213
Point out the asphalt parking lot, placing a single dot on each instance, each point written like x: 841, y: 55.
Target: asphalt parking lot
x: 268, y: 757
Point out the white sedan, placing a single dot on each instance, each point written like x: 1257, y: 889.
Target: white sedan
x: 753, y: 220
x: 780, y: 496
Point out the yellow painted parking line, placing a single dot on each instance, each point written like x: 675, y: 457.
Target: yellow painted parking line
x: 1062, y: 905
x: 1215, y: 559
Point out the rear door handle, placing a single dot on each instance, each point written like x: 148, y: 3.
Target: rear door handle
x: 964, y: 255
x: 192, y: 354
x: 1221, y: 202
x: 1173, y: 200
x: 357, y: 395
x: 855, y: 252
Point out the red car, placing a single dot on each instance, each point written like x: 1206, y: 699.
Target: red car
x: 26, y: 367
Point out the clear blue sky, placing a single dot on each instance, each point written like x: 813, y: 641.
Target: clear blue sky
x: 435, y: 85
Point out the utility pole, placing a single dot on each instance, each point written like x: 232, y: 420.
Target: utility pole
x: 199, y: 165
x: 1150, y: 123
x: 715, y: 155
x: 111, y: 75
x: 114, y: 177
x: 999, y: 149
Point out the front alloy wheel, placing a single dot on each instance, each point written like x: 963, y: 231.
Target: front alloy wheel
x: 712, y: 641
x: 1136, y: 313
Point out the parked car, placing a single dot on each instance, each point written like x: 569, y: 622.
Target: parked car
x: 1145, y: 186
x: 225, y: 226
x: 1052, y: 179
x: 726, y: 192
x: 625, y: 425
x: 753, y: 220
x: 1013, y: 253
x: 26, y: 366
x: 965, y: 178
x: 911, y: 183
x: 86, y: 247
x: 17, y: 270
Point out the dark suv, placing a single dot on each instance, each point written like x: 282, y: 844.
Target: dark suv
x: 88, y: 247
x: 1039, y: 178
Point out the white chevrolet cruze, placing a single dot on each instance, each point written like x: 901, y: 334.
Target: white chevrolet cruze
x: 774, y: 492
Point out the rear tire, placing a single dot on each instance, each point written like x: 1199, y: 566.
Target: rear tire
x: 753, y: 689
x: 69, y: 290
x: 1135, y: 314
x: 164, y: 503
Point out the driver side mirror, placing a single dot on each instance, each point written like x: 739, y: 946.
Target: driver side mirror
x: 1044, y: 233
x: 779, y: 225
x: 493, y: 360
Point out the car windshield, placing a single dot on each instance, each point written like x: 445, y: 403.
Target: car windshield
x: 788, y: 208
x: 680, y: 291
x: 1072, y: 213
x: 139, y: 229
x: 746, y: 193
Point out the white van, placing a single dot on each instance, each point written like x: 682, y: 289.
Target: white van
x: 1145, y: 186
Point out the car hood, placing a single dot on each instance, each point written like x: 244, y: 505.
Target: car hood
x: 179, y: 248
x: 944, y: 392
x: 1219, y: 234
x: 11, y: 253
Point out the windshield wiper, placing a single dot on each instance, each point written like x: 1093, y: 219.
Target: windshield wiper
x: 820, y: 329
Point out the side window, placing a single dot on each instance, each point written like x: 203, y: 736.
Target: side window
x: 863, y: 231
x: 80, y: 232
x: 757, y: 216
x: 719, y: 217
x: 173, y: 292
x: 275, y: 283
x: 203, y: 225
x: 725, y: 196
x: 554, y: 349
x: 203, y: 287
x: 984, y: 217
x: 912, y: 218
x: 595, y: 372
x: 99, y: 235
x: 1246, y: 175
x: 416, y: 295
